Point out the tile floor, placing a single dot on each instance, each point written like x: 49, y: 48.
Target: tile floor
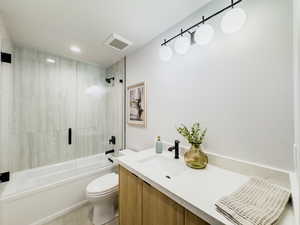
x: 79, y: 216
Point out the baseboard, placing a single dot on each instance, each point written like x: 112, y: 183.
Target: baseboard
x: 60, y: 213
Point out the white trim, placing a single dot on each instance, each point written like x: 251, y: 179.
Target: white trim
x: 60, y: 213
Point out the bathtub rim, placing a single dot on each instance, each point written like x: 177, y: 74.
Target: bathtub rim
x: 25, y: 193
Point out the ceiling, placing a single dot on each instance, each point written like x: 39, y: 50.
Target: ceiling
x: 54, y: 25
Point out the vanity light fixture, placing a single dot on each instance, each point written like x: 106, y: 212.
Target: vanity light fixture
x: 231, y: 22
x: 75, y: 49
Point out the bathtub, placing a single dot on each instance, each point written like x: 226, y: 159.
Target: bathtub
x: 39, y: 195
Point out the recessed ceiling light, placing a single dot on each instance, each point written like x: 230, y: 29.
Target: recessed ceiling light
x: 74, y: 48
x: 49, y: 60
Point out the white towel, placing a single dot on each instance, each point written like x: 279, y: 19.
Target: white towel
x: 255, y: 203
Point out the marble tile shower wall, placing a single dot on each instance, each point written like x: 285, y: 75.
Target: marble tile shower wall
x: 47, y: 100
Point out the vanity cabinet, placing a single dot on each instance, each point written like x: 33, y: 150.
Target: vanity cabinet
x: 130, y: 198
x: 142, y: 204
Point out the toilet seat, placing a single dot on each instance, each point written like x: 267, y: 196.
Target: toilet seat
x: 102, y: 186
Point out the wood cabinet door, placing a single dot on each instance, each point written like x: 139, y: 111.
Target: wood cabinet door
x: 191, y: 219
x: 130, y: 198
x: 158, y: 209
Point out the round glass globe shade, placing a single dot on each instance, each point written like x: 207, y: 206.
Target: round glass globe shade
x: 165, y: 53
x: 182, y: 45
x: 233, y: 20
x: 204, y: 34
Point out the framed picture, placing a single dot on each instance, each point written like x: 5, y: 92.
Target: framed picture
x: 137, y: 105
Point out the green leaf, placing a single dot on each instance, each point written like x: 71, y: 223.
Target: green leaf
x: 194, y: 135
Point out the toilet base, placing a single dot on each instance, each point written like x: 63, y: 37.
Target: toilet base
x: 113, y: 222
x: 104, y: 212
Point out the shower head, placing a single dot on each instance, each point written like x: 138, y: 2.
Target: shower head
x: 109, y: 79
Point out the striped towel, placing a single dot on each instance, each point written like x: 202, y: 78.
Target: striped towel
x: 255, y: 203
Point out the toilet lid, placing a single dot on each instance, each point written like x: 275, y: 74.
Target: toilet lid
x: 104, y: 184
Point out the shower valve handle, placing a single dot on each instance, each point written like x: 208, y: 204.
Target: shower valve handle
x: 112, y: 140
x: 4, y: 177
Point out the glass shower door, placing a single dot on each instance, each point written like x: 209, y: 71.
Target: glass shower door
x: 116, y: 101
x: 44, y: 105
x: 90, y: 134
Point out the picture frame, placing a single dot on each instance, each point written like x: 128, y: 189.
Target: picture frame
x: 137, y: 105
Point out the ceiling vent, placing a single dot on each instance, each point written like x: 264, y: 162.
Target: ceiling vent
x: 117, y: 42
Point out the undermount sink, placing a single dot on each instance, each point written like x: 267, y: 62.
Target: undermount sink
x: 166, y: 166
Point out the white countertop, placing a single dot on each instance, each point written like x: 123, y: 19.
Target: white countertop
x: 196, y: 190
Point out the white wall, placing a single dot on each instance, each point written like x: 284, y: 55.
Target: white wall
x: 239, y: 87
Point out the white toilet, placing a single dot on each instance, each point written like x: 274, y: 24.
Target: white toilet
x: 102, y: 193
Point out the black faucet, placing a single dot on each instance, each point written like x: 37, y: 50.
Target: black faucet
x: 176, y: 148
x: 112, y: 140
